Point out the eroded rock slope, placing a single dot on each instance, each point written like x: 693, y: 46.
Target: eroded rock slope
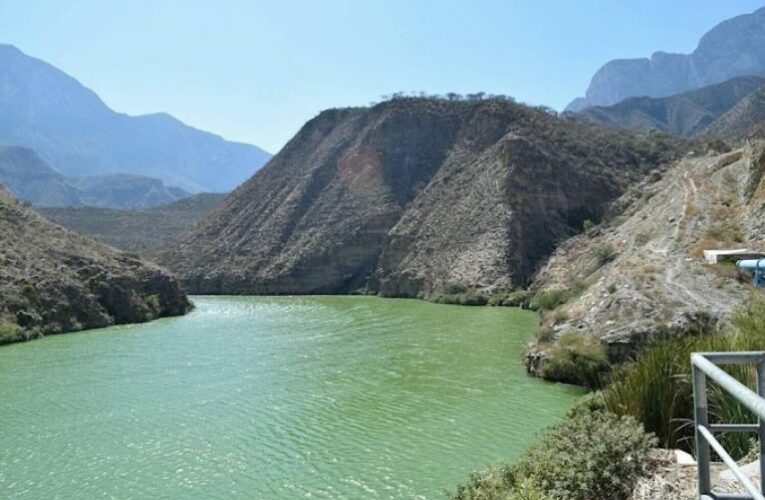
x: 641, y: 275
x: 413, y: 196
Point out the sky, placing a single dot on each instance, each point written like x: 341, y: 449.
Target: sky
x: 255, y: 71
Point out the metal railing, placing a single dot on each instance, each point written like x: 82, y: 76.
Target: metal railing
x: 705, y: 365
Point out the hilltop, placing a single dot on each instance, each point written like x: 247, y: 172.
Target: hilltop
x: 414, y: 197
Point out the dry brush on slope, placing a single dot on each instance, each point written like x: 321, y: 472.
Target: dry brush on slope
x: 641, y: 275
x: 412, y: 197
x: 146, y: 232
x: 53, y: 280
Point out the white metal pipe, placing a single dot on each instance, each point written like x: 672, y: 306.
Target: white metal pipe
x: 732, y: 465
x: 738, y: 390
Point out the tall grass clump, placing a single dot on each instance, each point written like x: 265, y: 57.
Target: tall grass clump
x: 657, y: 388
x: 550, y: 299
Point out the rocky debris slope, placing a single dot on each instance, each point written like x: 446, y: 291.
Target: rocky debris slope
x: 730, y: 49
x: 641, y: 275
x: 147, y: 232
x: 687, y: 114
x: 412, y: 197
x: 53, y: 280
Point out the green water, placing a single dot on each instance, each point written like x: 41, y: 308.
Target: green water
x: 271, y: 398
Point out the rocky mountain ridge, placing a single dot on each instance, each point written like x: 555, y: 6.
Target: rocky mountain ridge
x: 746, y: 118
x: 691, y: 113
x: 732, y: 48
x: 147, y: 232
x: 71, y: 128
x: 25, y: 175
x: 413, y: 197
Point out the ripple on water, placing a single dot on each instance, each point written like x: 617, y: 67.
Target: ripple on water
x: 320, y: 397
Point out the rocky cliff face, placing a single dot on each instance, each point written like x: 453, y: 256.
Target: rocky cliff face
x: 732, y: 48
x: 53, y: 280
x: 641, y: 275
x: 687, y: 114
x: 413, y: 196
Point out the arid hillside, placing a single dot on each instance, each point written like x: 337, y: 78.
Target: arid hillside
x: 412, y: 197
x: 53, y: 280
x: 147, y: 232
x: 641, y: 275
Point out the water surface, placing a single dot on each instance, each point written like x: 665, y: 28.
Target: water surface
x: 272, y: 398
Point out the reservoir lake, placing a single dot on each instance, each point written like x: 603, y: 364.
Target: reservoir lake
x: 273, y: 398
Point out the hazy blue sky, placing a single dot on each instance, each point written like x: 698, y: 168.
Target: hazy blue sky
x: 255, y: 70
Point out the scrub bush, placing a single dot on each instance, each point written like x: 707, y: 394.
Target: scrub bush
x: 591, y: 454
x: 604, y: 253
x: 9, y: 331
x: 577, y: 359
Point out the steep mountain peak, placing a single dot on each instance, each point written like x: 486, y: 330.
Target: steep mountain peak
x: 732, y: 48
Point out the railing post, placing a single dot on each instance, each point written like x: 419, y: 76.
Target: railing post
x: 761, y: 422
x: 701, y: 419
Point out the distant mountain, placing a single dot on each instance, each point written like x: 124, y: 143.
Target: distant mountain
x: 53, y: 280
x: 147, y: 232
x: 746, y: 118
x: 25, y: 175
x: 685, y: 114
x: 78, y: 135
x: 125, y: 191
x: 413, y: 197
x: 732, y: 48
x: 29, y: 178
